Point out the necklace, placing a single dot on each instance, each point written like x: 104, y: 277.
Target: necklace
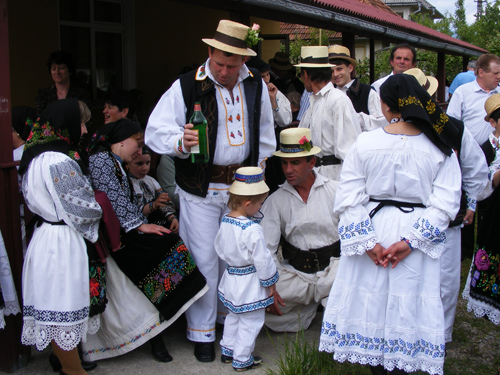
x: 396, y: 119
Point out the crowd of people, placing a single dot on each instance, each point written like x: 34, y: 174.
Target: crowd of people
x: 320, y: 193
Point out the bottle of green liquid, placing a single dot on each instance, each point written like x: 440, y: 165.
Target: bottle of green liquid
x: 199, y: 153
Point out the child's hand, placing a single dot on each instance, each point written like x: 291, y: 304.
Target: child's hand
x: 274, y: 308
x: 161, y: 201
x: 174, y: 226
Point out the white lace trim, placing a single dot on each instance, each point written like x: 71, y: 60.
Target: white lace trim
x: 93, y: 325
x: 66, y: 337
x: 479, y: 308
x: 432, y: 250
x: 2, y: 321
x: 12, y: 307
x: 358, y: 247
x: 341, y: 355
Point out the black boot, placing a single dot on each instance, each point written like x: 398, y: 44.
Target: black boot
x: 159, y: 350
x: 204, y: 351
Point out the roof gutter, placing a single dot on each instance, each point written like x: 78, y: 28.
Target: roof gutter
x: 324, y: 15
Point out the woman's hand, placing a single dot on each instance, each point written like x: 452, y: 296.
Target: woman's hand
x: 397, y: 252
x: 153, y: 229
x: 376, y: 255
x: 174, y: 225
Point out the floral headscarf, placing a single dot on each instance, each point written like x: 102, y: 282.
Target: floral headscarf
x: 403, y: 93
x: 58, y: 129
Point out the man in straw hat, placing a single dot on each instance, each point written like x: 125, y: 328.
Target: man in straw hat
x: 363, y: 97
x: 331, y: 117
x: 283, y: 75
x: 240, y: 130
x: 474, y: 178
x: 299, y: 217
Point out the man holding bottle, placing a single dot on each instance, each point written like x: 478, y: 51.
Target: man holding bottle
x: 240, y: 132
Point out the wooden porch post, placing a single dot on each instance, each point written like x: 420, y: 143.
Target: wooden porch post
x: 372, y: 61
x: 348, y: 41
x: 441, y: 76
x: 13, y: 354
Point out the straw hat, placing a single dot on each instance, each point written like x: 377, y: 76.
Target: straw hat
x: 249, y: 181
x: 340, y: 52
x: 491, y: 105
x: 281, y: 61
x: 231, y: 37
x: 295, y: 142
x: 427, y: 82
x: 314, y: 57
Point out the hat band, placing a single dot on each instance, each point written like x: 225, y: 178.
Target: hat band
x: 230, y: 40
x: 249, y: 179
x: 427, y: 84
x: 335, y: 55
x: 314, y: 60
x: 292, y: 148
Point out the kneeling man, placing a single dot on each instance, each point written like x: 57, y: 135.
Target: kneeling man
x: 301, y: 233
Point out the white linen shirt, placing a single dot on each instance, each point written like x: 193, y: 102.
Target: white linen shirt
x: 166, y: 126
x: 283, y: 114
x: 334, y: 126
x: 467, y: 104
x: 376, y: 85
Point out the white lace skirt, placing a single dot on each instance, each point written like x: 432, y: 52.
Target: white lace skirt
x: 384, y: 316
x: 56, y: 289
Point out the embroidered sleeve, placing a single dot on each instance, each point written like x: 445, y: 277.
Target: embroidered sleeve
x: 428, y: 233
x: 355, y: 227
x: 102, y: 171
x: 261, y: 257
x: 77, y: 205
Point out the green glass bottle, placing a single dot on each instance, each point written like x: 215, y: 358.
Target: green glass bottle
x: 199, y: 153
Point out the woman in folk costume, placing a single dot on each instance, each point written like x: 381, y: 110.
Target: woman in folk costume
x: 56, y: 267
x: 400, y: 187
x: 152, y: 279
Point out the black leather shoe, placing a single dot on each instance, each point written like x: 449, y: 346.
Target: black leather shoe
x: 159, y: 350
x: 204, y: 351
x: 54, y: 362
x: 226, y: 358
x: 257, y: 362
x: 88, y: 365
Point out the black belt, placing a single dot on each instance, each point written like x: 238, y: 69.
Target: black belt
x: 312, y: 260
x: 459, y: 219
x: 327, y: 160
x: 401, y: 205
x: 38, y: 220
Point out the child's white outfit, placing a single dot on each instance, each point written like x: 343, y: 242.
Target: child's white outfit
x: 242, y: 289
x: 146, y: 190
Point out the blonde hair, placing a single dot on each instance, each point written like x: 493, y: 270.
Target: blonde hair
x: 84, y: 112
x: 236, y: 201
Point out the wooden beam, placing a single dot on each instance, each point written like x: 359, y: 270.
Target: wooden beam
x: 441, y: 76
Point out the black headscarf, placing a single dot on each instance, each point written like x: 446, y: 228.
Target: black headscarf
x: 21, y: 117
x: 58, y: 129
x: 112, y: 133
x: 403, y: 93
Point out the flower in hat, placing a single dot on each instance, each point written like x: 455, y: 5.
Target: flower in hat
x: 252, y: 38
x: 305, y: 144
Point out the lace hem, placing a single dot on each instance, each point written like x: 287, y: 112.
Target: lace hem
x: 93, y: 324
x: 12, y: 308
x: 40, y: 335
x: 479, y: 308
x: 341, y: 355
x: 358, y: 248
x: 432, y: 250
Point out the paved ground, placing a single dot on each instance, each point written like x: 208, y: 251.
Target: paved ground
x: 140, y: 361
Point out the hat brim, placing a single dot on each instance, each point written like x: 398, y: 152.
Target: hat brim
x: 311, y: 65
x: 433, y: 85
x: 341, y: 57
x: 227, y: 48
x: 487, y: 117
x: 277, y: 66
x: 243, y: 188
x: 313, y: 151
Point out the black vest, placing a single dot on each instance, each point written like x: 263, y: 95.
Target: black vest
x: 359, y: 93
x: 195, y: 177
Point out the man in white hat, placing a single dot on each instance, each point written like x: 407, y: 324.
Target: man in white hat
x: 331, y: 117
x: 240, y: 131
x: 363, y: 97
x: 301, y: 233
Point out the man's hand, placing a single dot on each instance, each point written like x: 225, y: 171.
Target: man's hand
x: 190, y: 137
x: 469, y: 217
x: 274, y: 308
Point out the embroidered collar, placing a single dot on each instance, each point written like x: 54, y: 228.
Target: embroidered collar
x: 204, y: 71
x: 495, y: 143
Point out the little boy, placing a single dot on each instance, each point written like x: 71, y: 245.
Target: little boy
x: 248, y: 284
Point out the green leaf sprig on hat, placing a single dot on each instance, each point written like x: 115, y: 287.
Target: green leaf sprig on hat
x: 252, y: 38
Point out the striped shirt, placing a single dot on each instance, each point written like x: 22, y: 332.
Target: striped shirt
x: 467, y: 104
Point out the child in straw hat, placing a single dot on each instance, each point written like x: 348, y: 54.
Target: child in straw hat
x: 248, y: 284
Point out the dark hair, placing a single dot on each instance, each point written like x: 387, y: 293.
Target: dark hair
x: 404, y: 45
x: 122, y: 99
x: 484, y: 62
x: 318, y: 74
x: 61, y: 57
x: 258, y: 64
x: 495, y: 115
x: 146, y: 150
x: 227, y: 54
x: 346, y: 63
x: 236, y: 201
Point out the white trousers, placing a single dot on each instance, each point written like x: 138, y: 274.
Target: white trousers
x: 240, y: 333
x: 198, y: 226
x: 450, y: 278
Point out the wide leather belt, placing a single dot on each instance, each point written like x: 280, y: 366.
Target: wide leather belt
x: 223, y: 174
x: 327, y: 160
x: 312, y: 260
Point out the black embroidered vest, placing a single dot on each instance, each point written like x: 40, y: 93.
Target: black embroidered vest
x: 195, y: 177
x: 359, y: 93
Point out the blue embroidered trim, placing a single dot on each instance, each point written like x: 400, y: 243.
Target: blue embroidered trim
x: 246, y: 307
x: 410, y: 349
x: 471, y: 204
x: 352, y: 230
x: 273, y: 280
x: 249, y: 179
x: 239, y: 364
x: 429, y: 232
x: 240, y: 271
x: 226, y: 351
x: 238, y: 222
